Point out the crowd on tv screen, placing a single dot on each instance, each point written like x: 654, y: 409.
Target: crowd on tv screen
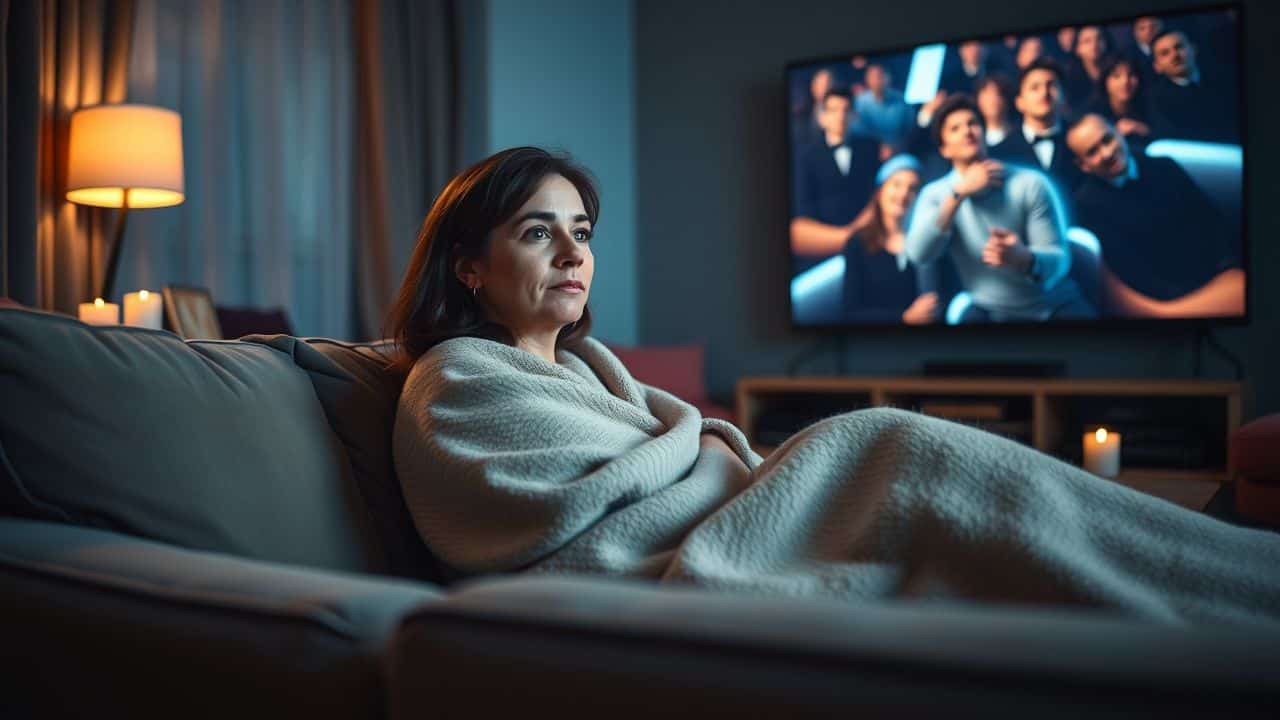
x: 1033, y: 185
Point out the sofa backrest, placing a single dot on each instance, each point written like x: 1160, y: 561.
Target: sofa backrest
x: 211, y: 445
x: 359, y: 395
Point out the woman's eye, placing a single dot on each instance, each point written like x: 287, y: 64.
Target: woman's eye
x: 582, y: 235
x: 537, y: 233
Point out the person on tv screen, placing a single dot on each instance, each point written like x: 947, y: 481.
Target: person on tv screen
x: 834, y: 178
x: 1039, y: 143
x: 880, y: 285
x: 973, y: 66
x: 1084, y: 68
x: 1198, y: 107
x: 994, y: 101
x: 882, y: 112
x: 999, y: 224
x: 1145, y: 30
x: 1164, y: 244
x: 808, y: 105
x: 1120, y: 97
x: 1029, y: 50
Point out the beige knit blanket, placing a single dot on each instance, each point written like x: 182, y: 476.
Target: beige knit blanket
x: 510, y: 463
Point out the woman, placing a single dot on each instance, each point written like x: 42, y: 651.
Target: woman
x: 994, y: 96
x: 523, y: 445
x: 1119, y: 97
x: 879, y: 284
x: 1085, y: 67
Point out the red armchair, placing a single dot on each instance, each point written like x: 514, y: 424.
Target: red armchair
x: 678, y: 369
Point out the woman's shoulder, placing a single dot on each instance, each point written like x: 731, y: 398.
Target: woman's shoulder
x: 460, y: 357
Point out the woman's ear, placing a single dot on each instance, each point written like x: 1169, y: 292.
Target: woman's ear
x: 465, y: 270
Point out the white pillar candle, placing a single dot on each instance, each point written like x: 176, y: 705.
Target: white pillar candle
x: 1102, y: 452
x: 142, y: 309
x: 99, y: 312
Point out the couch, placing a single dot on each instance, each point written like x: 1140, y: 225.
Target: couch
x: 214, y: 529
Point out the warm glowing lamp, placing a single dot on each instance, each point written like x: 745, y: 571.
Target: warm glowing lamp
x: 124, y: 156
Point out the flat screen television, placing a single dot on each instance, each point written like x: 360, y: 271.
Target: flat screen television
x: 1086, y: 174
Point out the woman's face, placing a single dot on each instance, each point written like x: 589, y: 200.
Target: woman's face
x: 1090, y: 45
x: 1028, y: 51
x: 992, y: 104
x: 1122, y: 83
x: 898, y: 192
x: 536, y: 276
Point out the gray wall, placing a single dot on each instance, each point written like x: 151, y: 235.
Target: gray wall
x: 560, y: 74
x: 711, y: 162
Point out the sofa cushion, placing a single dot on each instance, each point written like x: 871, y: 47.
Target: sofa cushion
x: 359, y: 395
x: 210, y: 445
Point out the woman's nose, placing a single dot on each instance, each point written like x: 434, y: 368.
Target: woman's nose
x: 570, y: 253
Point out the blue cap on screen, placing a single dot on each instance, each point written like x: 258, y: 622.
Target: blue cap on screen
x: 894, y: 164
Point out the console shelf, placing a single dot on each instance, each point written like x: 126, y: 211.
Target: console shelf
x: 1175, y: 431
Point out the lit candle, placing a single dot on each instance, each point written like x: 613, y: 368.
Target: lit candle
x: 99, y: 312
x: 1102, y: 452
x: 142, y: 309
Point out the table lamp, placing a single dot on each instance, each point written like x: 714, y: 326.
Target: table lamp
x: 124, y: 156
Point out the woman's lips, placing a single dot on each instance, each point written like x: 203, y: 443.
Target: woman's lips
x: 573, y: 287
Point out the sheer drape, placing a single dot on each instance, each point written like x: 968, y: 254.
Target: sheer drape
x: 73, y: 54
x: 266, y: 95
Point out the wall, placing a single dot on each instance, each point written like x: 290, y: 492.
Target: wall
x: 560, y: 74
x: 710, y: 133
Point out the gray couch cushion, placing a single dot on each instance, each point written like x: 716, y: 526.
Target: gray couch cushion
x: 94, y: 621
x: 359, y: 395
x: 212, y: 445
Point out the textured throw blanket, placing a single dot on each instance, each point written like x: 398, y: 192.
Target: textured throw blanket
x: 510, y: 463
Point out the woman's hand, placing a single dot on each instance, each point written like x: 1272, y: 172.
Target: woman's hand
x: 923, y: 310
x: 978, y: 177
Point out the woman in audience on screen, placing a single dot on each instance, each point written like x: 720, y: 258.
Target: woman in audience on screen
x: 880, y: 285
x: 1084, y: 67
x: 522, y: 445
x: 994, y: 95
x: 1120, y: 97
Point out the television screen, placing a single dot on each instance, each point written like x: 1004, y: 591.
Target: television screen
x: 1078, y: 174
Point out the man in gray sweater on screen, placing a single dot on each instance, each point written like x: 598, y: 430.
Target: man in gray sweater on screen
x: 1002, y: 224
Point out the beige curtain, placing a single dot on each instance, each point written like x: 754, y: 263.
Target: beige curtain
x: 407, y: 138
x: 84, y: 51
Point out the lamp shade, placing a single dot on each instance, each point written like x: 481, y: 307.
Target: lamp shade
x: 125, y: 147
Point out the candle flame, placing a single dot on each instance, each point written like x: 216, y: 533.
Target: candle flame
x: 98, y: 302
x: 143, y: 294
x: 1101, y: 435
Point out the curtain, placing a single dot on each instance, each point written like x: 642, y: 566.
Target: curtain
x: 72, y: 54
x: 315, y: 136
x: 408, y: 140
x: 265, y: 92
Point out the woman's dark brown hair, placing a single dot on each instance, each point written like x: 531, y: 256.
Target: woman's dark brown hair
x: 876, y: 234
x: 1101, y: 99
x: 433, y: 305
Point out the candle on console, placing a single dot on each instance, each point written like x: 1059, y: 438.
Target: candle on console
x: 142, y: 309
x: 100, y: 312
x: 1102, y: 452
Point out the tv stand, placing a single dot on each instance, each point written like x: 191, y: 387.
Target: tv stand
x: 1175, y: 431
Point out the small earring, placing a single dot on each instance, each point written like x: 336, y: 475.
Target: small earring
x: 474, y: 289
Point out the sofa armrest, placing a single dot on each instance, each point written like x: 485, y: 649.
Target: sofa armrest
x: 93, y: 619
x: 616, y: 644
